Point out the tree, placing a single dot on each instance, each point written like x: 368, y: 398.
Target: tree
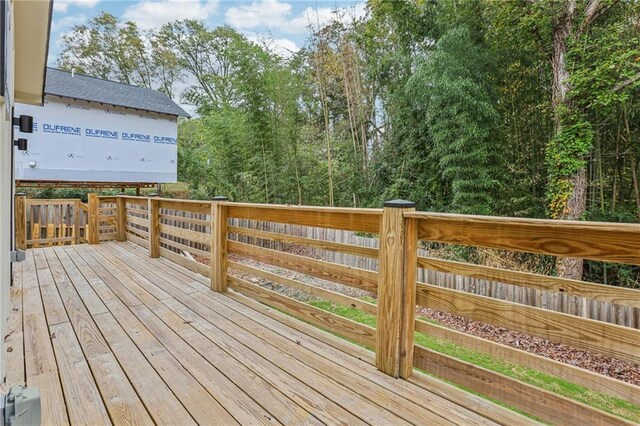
x: 574, y: 132
x: 110, y: 49
x: 208, y: 56
x: 449, y: 88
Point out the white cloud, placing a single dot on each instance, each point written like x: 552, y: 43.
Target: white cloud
x: 67, y: 22
x: 276, y: 14
x: 318, y: 17
x: 63, y: 5
x: 270, y: 13
x: 282, y: 47
x: 154, y: 13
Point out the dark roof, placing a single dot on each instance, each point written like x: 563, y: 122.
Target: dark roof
x: 77, y: 86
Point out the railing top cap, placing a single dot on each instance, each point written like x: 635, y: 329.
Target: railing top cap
x: 402, y: 204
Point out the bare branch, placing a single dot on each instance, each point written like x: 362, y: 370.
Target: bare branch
x: 593, y: 11
x: 627, y: 82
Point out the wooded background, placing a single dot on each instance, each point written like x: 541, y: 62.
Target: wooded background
x: 513, y: 108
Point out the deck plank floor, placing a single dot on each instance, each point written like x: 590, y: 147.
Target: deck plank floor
x: 111, y: 336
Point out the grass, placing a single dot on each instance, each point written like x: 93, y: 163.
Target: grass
x: 533, y: 377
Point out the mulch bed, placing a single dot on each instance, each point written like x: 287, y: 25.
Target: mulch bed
x: 592, y: 361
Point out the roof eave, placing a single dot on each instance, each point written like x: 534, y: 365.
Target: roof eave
x: 32, y: 23
x: 75, y: 98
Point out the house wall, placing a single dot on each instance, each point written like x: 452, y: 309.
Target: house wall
x: 80, y: 141
x: 6, y: 189
x: 5, y: 224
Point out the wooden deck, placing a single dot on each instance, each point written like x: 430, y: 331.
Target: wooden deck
x: 110, y: 335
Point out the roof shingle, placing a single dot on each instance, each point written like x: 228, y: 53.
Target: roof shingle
x: 77, y: 86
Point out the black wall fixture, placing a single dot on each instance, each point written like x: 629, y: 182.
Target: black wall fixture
x: 24, y: 122
x: 21, y: 144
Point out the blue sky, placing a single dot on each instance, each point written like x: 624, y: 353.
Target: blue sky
x: 284, y: 22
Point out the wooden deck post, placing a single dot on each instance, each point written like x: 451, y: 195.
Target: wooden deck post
x: 76, y: 222
x: 154, y: 227
x: 396, y: 290
x: 21, y: 221
x: 121, y: 218
x: 94, y: 214
x: 218, y: 245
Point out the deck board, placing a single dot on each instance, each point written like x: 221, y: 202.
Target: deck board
x: 363, y: 398
x: 112, y: 336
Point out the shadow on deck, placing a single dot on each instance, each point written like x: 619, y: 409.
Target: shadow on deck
x: 110, y: 335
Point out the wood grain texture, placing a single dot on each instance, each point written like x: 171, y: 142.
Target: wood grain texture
x: 609, y: 339
x: 119, y: 397
x: 137, y: 213
x: 359, y: 220
x: 184, y: 262
x: 236, y: 403
x: 332, y: 296
x: 49, y: 241
x: 77, y: 382
x: 219, y: 247
x: 154, y: 228
x: 118, y: 297
x: 183, y: 219
x: 198, y: 355
x: 121, y: 219
x: 13, y: 349
x: 202, y: 207
x: 162, y: 404
x: 51, y: 201
x: 610, y: 242
x: 396, y: 289
x: 106, y: 199
x: 39, y: 357
x: 541, y: 403
x: 93, y: 219
x: 76, y: 221
x: 352, y: 330
x: 570, y: 373
x: 183, y: 247
x: 187, y: 234
x: 339, y: 350
x: 54, y: 410
x: 138, y: 232
x: 322, y: 407
x: 288, y: 359
x: 20, y: 215
x: 354, y: 277
x: 141, y: 221
x: 52, y: 302
x: 601, y: 292
x: 288, y: 356
x: 309, y: 242
x: 138, y: 240
x: 455, y: 414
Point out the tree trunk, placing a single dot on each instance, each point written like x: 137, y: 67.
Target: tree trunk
x: 569, y: 267
x: 577, y: 202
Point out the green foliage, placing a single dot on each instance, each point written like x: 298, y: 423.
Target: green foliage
x: 445, y: 103
x: 110, y: 49
x: 449, y: 89
x: 524, y: 374
x: 566, y: 155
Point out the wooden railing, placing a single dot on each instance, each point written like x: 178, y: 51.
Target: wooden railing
x: 205, y: 237
x: 48, y: 222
